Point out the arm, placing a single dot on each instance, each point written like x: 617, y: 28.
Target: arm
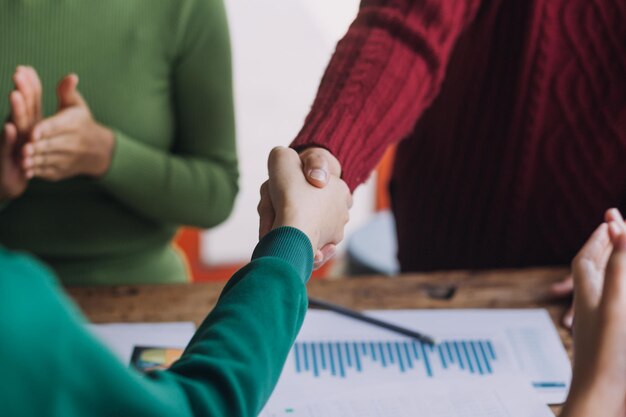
x: 196, y: 183
x: 232, y: 363
x: 385, y: 72
x: 229, y: 368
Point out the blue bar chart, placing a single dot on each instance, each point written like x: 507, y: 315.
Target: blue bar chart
x: 340, y: 359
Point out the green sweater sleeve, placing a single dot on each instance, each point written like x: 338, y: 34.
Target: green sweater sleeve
x: 195, y: 183
x: 52, y: 366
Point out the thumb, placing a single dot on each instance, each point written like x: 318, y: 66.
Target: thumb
x: 315, y: 167
x: 67, y: 92
x: 615, y: 278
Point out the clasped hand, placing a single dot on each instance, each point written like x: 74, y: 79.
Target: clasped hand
x: 68, y: 144
x: 287, y: 199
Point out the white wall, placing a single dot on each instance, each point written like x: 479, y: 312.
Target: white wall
x: 281, y: 48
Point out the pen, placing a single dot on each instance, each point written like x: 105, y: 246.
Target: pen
x: 317, y: 303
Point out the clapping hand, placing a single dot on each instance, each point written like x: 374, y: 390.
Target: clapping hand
x: 69, y: 143
x: 599, y: 276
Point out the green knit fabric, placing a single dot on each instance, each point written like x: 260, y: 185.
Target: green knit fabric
x: 55, y: 368
x: 158, y: 73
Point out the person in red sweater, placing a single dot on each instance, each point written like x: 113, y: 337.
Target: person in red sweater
x: 510, y: 120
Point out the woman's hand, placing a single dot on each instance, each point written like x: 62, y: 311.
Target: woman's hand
x: 71, y: 142
x: 599, y: 273
x: 13, y: 180
x: 565, y: 288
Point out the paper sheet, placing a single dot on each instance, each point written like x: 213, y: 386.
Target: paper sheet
x: 491, y: 398
x: 122, y: 338
x: 335, y: 354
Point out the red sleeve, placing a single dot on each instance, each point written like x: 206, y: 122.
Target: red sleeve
x: 385, y: 72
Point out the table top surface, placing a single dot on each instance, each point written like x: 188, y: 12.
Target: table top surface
x: 527, y: 288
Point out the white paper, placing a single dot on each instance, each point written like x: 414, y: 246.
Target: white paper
x: 334, y: 354
x: 122, y: 338
x: 490, y: 398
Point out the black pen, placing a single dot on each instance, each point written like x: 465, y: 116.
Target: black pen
x: 316, y: 302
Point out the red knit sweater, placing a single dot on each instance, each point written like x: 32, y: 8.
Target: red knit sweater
x: 512, y: 117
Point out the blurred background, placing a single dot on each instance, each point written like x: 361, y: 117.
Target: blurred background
x: 276, y: 77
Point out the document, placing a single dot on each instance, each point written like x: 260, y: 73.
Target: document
x: 493, y: 397
x: 123, y: 338
x: 335, y: 354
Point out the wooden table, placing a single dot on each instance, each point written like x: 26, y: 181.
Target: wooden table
x: 492, y: 289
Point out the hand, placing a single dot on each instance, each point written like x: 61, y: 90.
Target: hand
x: 599, y: 273
x: 318, y: 166
x: 25, y: 100
x: 320, y: 213
x: 71, y: 142
x: 12, y: 178
x: 565, y: 288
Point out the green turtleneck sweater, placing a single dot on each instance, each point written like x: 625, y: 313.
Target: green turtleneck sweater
x: 157, y: 73
x: 51, y: 366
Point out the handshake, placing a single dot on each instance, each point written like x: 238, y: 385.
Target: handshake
x: 287, y: 199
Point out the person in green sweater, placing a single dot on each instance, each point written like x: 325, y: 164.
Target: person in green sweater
x: 97, y: 180
x: 232, y: 364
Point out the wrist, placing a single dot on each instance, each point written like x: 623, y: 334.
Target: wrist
x: 105, y: 139
x: 300, y: 224
x: 594, y: 399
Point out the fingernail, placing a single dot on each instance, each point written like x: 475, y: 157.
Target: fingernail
x: 318, y: 174
x: 616, y: 213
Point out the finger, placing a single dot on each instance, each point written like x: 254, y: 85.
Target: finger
x: 19, y: 111
x: 282, y: 163
x: 33, y: 153
x: 37, y: 89
x: 614, y: 292
x: 48, y: 172
x: 266, y: 211
x: 315, y: 168
x: 9, y: 139
x: 22, y: 83
x: 568, y: 318
x: 563, y: 288
x: 60, y: 123
x: 588, y: 266
x: 67, y: 92
x: 613, y: 215
x: 54, y: 160
x: 323, y: 255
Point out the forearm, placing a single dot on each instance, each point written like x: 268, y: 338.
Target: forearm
x: 229, y: 368
x: 239, y: 351
x: 166, y: 187
x: 384, y: 74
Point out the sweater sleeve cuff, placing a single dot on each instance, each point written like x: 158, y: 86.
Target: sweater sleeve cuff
x: 126, y: 153
x: 290, y: 245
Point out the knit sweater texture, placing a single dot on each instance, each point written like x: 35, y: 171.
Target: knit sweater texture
x: 510, y: 118
x: 158, y: 74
